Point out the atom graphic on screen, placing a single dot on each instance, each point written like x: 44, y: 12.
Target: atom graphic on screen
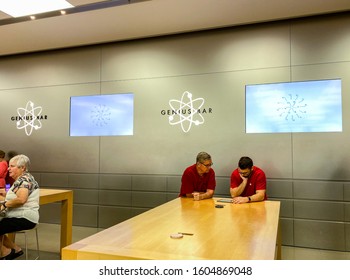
x: 292, y: 107
x: 29, y: 118
x: 187, y: 111
x: 101, y: 115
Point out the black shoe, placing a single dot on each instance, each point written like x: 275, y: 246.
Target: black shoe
x: 17, y: 254
x: 10, y: 256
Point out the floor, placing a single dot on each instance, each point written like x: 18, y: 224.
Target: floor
x: 49, y: 236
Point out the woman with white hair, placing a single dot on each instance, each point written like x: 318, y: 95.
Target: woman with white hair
x: 20, y: 208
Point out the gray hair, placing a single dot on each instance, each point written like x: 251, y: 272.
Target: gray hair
x: 21, y: 161
x: 203, y: 156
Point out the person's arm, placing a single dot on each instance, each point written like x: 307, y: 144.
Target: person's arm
x: 237, y: 191
x: 22, y: 197
x: 260, y: 189
x: 199, y: 196
x: 258, y: 196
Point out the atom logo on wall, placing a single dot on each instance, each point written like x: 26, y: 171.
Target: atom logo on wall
x: 29, y: 118
x: 187, y: 111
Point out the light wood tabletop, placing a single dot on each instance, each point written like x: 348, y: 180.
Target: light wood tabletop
x: 236, y: 231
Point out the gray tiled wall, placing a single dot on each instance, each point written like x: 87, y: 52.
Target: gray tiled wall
x: 314, y: 214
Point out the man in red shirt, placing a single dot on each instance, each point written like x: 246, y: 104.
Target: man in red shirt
x: 198, y: 180
x: 248, y: 182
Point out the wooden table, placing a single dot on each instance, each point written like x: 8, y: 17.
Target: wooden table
x: 66, y: 198
x: 244, y: 231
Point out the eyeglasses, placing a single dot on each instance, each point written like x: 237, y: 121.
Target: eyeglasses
x: 208, y: 165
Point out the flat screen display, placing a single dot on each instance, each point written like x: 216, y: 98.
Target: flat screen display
x: 306, y: 106
x: 102, y: 115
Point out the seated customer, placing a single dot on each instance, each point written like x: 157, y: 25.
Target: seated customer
x: 198, y: 180
x: 248, y: 182
x: 20, y: 209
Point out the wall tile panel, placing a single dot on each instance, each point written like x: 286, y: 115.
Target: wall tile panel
x: 282, y: 189
x: 319, y: 234
x: 85, y: 196
x: 149, y: 183
x: 318, y: 190
x: 173, y: 184
x: 116, y: 198
x: 83, y: 181
x: 148, y: 199
x: 287, y: 230
x: 52, y: 180
x: 115, y: 182
x: 319, y: 210
x: 347, y: 192
x: 109, y: 216
x: 85, y: 215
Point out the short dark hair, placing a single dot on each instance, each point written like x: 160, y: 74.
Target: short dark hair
x: 245, y: 162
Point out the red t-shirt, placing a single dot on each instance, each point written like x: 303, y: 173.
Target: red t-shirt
x: 3, y: 173
x: 192, y: 182
x: 257, y: 181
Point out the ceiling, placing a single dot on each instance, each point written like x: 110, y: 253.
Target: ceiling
x: 148, y: 18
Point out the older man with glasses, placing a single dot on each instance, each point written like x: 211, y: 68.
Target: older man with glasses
x: 198, y: 180
x: 248, y: 182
